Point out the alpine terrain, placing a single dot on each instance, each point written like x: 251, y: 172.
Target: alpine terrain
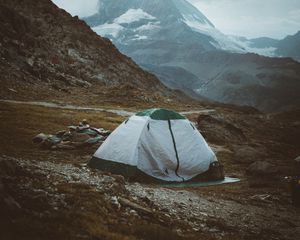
x: 176, y: 42
x: 64, y: 90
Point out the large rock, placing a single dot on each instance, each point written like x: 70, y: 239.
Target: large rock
x: 261, y: 169
x: 218, y: 130
x: 247, y: 154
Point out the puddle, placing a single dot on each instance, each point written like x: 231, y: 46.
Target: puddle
x: 202, y: 184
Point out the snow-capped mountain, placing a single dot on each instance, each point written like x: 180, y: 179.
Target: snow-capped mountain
x: 176, y: 42
x: 145, y: 20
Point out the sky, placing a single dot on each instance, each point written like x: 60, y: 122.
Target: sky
x: 81, y: 8
x: 249, y: 18
x: 252, y: 18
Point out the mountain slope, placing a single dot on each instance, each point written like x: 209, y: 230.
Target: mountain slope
x: 290, y: 47
x: 165, y: 36
x: 47, y: 52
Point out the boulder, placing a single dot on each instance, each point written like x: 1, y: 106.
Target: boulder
x: 218, y: 130
x: 247, y: 154
x: 262, y: 169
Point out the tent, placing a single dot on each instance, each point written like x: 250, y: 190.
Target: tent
x: 158, y: 143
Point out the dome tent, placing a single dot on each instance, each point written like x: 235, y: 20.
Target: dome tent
x: 157, y: 142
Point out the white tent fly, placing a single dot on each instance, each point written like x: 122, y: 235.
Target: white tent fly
x: 161, y: 143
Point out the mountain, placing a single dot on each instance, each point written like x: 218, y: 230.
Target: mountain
x: 290, y: 47
x: 263, y: 46
x: 287, y: 47
x: 132, y: 21
x: 46, y: 54
x: 176, y: 42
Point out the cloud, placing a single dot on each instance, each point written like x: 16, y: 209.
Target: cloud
x: 253, y: 18
x: 81, y: 8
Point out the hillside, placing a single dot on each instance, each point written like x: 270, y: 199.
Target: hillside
x: 46, y: 54
x: 290, y: 46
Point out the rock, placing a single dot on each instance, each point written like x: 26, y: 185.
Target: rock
x: 262, y: 197
x: 219, y: 131
x: 115, y: 202
x: 127, y: 203
x: 260, y: 168
x: 40, y: 138
x: 30, y: 62
x: 60, y: 133
x: 79, y: 137
x: 248, y: 154
x: 12, y: 90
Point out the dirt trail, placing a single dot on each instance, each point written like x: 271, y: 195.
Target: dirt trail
x: 120, y: 112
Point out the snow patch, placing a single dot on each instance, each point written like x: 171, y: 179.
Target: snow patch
x: 222, y: 41
x: 108, y: 29
x: 133, y: 15
x: 246, y: 44
x: 149, y: 26
x: 138, y: 37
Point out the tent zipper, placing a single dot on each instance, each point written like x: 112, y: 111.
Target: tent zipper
x: 175, y: 148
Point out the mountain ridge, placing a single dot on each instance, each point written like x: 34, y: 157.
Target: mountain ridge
x: 203, y: 54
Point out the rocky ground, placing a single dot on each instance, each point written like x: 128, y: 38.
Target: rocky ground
x: 53, y: 195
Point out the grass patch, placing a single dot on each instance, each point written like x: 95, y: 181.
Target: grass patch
x: 20, y: 123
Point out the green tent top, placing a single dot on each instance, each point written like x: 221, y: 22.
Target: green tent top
x: 161, y: 114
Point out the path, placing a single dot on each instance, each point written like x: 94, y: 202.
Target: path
x: 120, y: 112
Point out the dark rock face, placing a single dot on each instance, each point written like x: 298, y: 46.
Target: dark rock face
x: 178, y: 44
x: 46, y: 51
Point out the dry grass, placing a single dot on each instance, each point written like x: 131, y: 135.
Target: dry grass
x: 20, y: 123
